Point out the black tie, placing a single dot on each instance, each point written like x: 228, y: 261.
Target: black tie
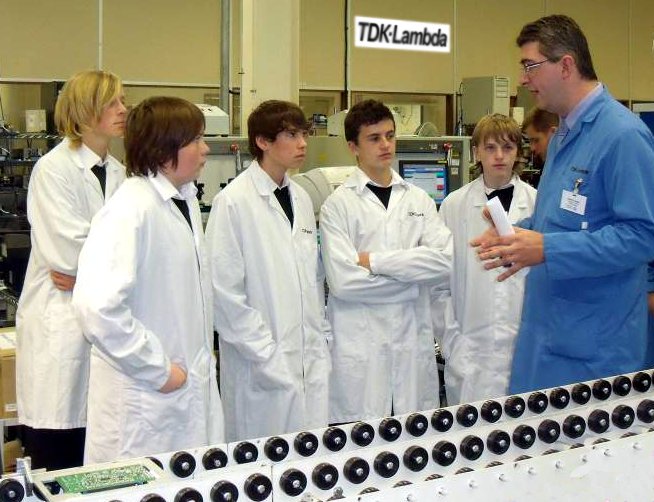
x: 100, y: 172
x: 505, y: 194
x: 382, y: 193
x: 284, y: 198
x: 183, y: 208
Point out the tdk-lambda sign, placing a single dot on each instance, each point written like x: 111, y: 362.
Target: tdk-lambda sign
x: 381, y: 33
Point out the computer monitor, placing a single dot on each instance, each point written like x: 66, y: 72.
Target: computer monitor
x: 430, y: 175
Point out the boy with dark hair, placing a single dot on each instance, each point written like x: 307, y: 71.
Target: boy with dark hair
x: 143, y: 296
x: 268, y: 286
x: 384, y: 247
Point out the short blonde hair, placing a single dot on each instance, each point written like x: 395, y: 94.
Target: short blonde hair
x: 500, y: 128
x: 82, y: 100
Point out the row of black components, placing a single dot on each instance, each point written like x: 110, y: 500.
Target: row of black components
x: 386, y: 464
x: 390, y: 429
x: 182, y: 463
x: 257, y: 487
x: 277, y: 448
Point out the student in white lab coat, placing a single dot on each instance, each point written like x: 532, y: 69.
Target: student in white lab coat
x: 483, y: 314
x: 143, y: 296
x: 268, y: 286
x: 384, y: 247
x: 67, y: 187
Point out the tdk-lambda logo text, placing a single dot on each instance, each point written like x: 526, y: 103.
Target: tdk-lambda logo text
x: 381, y: 33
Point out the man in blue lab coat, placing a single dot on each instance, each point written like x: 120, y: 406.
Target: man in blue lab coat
x: 592, y: 231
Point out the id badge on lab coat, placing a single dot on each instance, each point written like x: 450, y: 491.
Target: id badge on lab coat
x: 573, y: 202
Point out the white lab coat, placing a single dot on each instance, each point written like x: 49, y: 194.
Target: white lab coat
x: 482, y: 315
x: 383, y: 350
x: 52, y: 355
x: 143, y: 297
x: 269, y: 309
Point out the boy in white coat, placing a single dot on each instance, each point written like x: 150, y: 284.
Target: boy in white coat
x: 143, y: 296
x: 483, y: 315
x: 268, y: 286
x: 384, y: 247
x: 67, y: 187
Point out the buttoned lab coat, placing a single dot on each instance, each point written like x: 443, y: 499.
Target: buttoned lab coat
x: 478, y: 345
x: 143, y: 295
x: 269, y: 309
x: 383, y: 349
x: 52, y: 355
x: 585, y: 308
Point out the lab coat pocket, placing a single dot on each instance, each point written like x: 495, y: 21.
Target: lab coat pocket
x: 63, y: 332
x: 272, y: 374
x: 577, y: 329
x: 575, y: 201
x: 166, y: 413
x: 308, y: 255
x: 412, y: 227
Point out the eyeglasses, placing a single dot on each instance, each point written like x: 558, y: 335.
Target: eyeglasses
x: 529, y: 67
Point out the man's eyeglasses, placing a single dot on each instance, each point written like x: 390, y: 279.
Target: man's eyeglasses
x: 529, y: 67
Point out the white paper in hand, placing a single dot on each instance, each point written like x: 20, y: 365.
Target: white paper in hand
x: 503, y: 225
x: 499, y: 217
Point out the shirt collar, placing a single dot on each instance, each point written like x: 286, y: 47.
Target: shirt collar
x: 489, y: 190
x: 361, y: 179
x: 167, y: 190
x: 89, y: 158
x: 263, y: 180
x: 583, y: 105
x: 85, y: 158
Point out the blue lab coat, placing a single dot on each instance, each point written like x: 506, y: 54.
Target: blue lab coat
x: 585, y: 310
x: 649, y: 359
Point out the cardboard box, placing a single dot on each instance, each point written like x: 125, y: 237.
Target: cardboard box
x: 8, y: 373
x: 11, y: 451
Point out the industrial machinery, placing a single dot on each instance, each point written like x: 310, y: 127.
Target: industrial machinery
x: 335, y: 123
x: 216, y: 121
x: 227, y: 157
x: 438, y: 165
x: 586, y: 441
x: 484, y: 95
x: 320, y: 182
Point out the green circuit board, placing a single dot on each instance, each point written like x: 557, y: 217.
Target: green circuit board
x: 105, y: 479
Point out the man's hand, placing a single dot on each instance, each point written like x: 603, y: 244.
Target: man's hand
x: 650, y: 303
x: 176, y: 379
x: 523, y: 249
x: 61, y: 281
x: 364, y: 260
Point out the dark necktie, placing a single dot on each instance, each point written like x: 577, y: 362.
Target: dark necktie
x: 284, y: 198
x: 100, y: 172
x: 183, y: 208
x: 382, y: 193
x: 505, y: 194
